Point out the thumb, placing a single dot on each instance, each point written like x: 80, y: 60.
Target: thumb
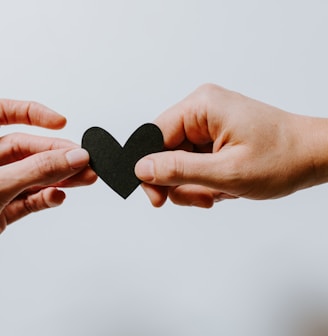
x: 41, y: 169
x: 179, y: 167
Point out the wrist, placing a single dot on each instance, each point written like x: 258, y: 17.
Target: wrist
x: 313, y: 140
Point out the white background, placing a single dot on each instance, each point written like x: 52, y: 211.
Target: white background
x: 99, y: 265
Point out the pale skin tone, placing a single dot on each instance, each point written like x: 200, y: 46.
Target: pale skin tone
x: 223, y: 145
x: 219, y: 145
x: 32, y: 168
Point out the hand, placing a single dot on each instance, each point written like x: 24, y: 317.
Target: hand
x: 33, y: 167
x: 223, y: 145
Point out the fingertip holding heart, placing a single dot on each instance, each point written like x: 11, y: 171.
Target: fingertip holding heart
x: 115, y: 164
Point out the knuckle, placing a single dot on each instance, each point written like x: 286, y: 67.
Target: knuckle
x: 35, y: 203
x: 206, y: 90
x: 175, y: 167
x: 16, y: 150
x: 31, y: 105
x: 45, y: 166
x: 29, y: 205
x: 30, y: 108
x: 207, y: 87
x: 205, y: 94
x: 14, y: 138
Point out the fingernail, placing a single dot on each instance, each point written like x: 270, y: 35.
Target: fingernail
x: 145, y: 169
x: 77, y: 158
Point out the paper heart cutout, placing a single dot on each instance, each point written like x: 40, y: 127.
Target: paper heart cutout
x: 115, y: 164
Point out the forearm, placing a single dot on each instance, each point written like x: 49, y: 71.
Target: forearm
x: 313, y: 135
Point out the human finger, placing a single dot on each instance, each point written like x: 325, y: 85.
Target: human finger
x: 192, y: 195
x: 42, y: 169
x: 192, y: 118
x: 86, y: 177
x: 185, y: 195
x: 156, y: 194
x: 187, y: 119
x: 31, y: 202
x: 17, y: 146
x: 172, y: 168
x: 29, y: 113
x: 196, y: 195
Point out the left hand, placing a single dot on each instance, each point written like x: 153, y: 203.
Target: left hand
x: 33, y: 167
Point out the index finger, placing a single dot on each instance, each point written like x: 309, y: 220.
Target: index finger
x: 17, y: 146
x: 170, y: 123
x: 186, y: 120
x: 29, y: 113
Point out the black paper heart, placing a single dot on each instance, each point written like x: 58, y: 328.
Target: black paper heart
x: 115, y: 164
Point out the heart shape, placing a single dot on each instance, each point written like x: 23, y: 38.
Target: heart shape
x: 115, y: 164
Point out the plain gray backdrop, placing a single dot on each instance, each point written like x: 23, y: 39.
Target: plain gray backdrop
x: 99, y: 265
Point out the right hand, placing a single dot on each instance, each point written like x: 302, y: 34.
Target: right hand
x: 221, y: 145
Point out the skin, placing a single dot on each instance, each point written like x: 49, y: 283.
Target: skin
x: 32, y: 168
x: 223, y: 145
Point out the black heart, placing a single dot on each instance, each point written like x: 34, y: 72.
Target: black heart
x: 115, y: 164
